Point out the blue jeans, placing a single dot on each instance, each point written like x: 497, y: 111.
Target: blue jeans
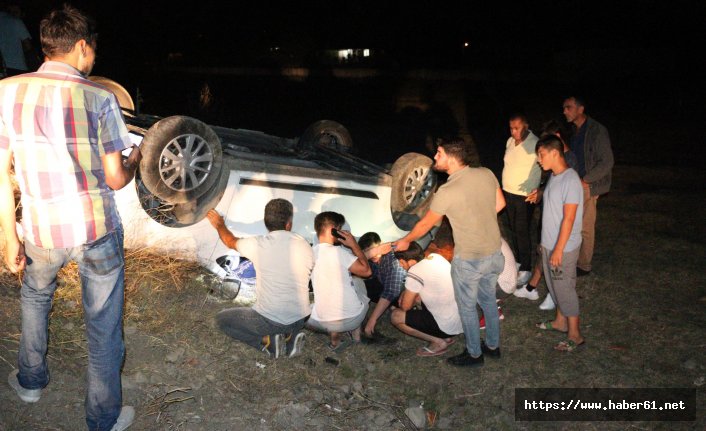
x: 474, y: 282
x: 101, y: 267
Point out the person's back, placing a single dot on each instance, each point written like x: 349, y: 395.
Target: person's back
x: 468, y: 200
x: 432, y: 278
x: 58, y: 166
x: 282, y: 262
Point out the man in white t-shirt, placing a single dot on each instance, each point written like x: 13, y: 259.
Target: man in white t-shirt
x: 428, y: 284
x: 283, y: 262
x: 339, y: 305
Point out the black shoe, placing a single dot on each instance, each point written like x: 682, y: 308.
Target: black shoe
x: 466, y: 360
x: 581, y: 272
x: 493, y: 353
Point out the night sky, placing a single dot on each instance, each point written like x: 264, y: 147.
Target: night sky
x: 641, y: 61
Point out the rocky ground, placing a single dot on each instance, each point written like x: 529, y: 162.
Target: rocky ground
x: 644, y: 318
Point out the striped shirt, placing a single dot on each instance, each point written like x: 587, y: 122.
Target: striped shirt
x: 58, y: 125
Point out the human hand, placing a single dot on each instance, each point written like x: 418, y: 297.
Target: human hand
x: 370, y: 328
x: 15, y: 258
x: 534, y: 197
x: 348, y: 239
x: 378, y: 250
x: 135, y: 156
x: 215, y: 219
x: 400, y: 245
x: 555, y: 258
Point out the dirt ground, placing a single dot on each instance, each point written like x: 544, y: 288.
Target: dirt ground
x: 643, y: 315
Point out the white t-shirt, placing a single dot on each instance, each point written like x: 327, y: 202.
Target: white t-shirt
x: 335, y: 297
x: 283, y: 261
x: 521, y: 173
x: 431, y: 279
x: 508, y: 278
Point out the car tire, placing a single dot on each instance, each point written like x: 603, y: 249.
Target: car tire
x: 182, y: 159
x: 326, y: 133
x: 184, y: 214
x: 124, y: 98
x: 413, y: 187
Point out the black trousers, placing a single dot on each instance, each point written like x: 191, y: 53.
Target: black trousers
x: 519, y: 215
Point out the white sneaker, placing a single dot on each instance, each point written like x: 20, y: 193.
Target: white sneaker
x: 548, y: 303
x: 522, y: 292
x: 26, y: 395
x: 297, y: 345
x: 127, y: 415
x: 523, y: 277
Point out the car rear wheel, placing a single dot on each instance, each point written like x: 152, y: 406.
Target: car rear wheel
x: 182, y: 159
x: 413, y: 187
x: 326, y: 133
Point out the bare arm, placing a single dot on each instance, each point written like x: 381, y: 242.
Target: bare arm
x: 230, y: 240
x: 499, y: 200
x: 360, y: 267
x: 14, y: 250
x: 407, y: 299
x: 420, y: 229
x: 567, y: 224
x: 117, y: 173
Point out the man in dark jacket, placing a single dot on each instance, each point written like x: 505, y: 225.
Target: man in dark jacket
x: 591, y: 144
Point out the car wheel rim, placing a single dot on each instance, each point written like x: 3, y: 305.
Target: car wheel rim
x: 185, y: 162
x: 418, y: 186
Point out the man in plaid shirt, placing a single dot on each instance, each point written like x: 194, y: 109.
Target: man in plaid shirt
x: 64, y: 135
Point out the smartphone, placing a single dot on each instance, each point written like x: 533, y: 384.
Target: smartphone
x: 335, y: 233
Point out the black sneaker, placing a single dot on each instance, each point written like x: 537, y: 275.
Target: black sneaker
x: 493, y: 353
x: 466, y: 360
x: 581, y: 272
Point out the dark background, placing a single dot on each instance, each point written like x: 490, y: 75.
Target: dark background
x: 637, y: 64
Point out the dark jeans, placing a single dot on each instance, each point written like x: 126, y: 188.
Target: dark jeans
x: 247, y: 325
x: 102, y: 271
x: 519, y: 215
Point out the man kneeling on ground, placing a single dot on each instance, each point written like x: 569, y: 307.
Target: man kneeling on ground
x: 283, y: 262
x: 339, y: 306
x: 429, y: 283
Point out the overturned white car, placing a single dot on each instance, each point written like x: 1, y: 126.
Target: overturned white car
x: 189, y: 167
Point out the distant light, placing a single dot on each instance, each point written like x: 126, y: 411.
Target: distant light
x: 465, y: 44
x: 344, y: 54
x: 366, y: 53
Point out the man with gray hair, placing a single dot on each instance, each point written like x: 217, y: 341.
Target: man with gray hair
x: 283, y: 262
x: 591, y: 145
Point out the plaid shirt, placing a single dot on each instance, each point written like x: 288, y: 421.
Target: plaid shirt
x: 391, y: 275
x: 58, y: 125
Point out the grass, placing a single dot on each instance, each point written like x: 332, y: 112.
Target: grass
x: 643, y: 314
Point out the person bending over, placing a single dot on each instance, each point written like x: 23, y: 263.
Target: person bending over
x: 428, y: 284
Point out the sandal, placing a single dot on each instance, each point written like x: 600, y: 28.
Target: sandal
x: 342, y: 345
x: 568, y: 346
x: 547, y: 326
x: 426, y: 351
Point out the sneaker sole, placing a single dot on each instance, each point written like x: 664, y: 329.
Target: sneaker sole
x: 15, y: 384
x: 298, y: 345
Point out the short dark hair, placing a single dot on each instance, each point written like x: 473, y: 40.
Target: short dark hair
x: 519, y: 116
x: 369, y: 239
x: 278, y: 212
x: 413, y: 252
x: 62, y: 28
x: 457, y: 148
x: 553, y: 127
x: 328, y: 218
x: 580, y: 101
x: 550, y: 142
